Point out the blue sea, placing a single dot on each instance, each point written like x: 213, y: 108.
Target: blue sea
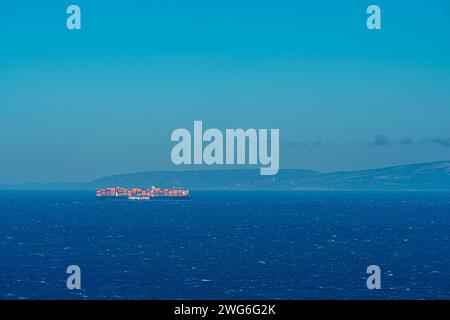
x: 225, y: 245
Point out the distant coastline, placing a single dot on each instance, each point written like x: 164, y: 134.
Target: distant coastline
x: 431, y: 176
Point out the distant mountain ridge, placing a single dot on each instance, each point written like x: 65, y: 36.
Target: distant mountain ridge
x: 420, y: 177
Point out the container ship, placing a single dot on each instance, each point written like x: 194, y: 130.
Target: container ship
x: 154, y: 193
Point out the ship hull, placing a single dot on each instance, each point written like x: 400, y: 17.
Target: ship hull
x: 137, y: 198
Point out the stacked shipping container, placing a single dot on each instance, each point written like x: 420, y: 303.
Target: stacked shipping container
x: 137, y: 193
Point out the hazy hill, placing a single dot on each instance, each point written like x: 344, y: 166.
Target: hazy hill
x: 423, y: 176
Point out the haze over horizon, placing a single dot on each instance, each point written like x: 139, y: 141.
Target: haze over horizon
x: 80, y: 105
x: 227, y: 168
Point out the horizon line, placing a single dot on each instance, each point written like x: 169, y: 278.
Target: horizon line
x: 213, y: 170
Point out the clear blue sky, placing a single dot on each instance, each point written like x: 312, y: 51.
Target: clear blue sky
x: 77, y: 105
